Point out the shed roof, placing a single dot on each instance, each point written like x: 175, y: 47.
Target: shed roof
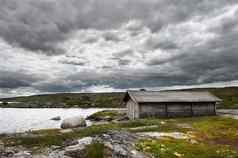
x: 172, y: 96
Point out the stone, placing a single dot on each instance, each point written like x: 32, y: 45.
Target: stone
x: 57, y: 118
x: 63, y: 131
x: 22, y: 154
x: 120, y: 144
x: 78, y: 150
x: 143, y: 127
x: 85, y: 141
x: 8, y: 153
x: 159, y: 135
x: 1, y: 146
x: 120, y: 150
x: 70, y: 142
x: 137, y: 154
x: 73, y: 122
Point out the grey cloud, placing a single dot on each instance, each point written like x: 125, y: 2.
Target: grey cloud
x: 16, y: 79
x: 40, y: 25
x: 123, y: 62
x: 54, y: 87
x: 79, y: 63
x: 90, y: 40
x: 154, y: 43
x: 158, y: 61
x: 123, y: 53
x: 76, y: 62
x: 110, y: 36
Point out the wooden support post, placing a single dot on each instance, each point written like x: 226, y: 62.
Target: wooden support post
x: 191, y: 106
x: 166, y: 110
x: 215, y: 112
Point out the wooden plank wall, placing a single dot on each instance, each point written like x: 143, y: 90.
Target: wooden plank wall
x: 176, y: 109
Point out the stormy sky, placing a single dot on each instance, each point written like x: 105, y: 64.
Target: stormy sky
x: 49, y: 46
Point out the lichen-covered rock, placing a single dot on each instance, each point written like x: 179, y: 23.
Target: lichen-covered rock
x: 22, y: 154
x: 120, y: 144
x: 73, y: 122
x: 78, y: 150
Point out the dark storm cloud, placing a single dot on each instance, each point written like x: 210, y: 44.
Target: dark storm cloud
x: 76, y: 61
x: 15, y: 79
x: 213, y: 61
x: 40, y: 25
x: 54, y: 87
x: 123, y: 62
x: 153, y: 43
x: 175, y: 42
x: 158, y: 61
x: 123, y: 53
x: 110, y: 36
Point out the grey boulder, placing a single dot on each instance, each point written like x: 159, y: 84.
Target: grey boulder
x: 73, y: 122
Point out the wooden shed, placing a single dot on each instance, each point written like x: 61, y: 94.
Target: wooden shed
x: 142, y: 104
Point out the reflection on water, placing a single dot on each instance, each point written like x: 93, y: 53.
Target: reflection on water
x: 14, y: 120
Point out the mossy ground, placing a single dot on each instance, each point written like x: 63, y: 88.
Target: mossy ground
x: 215, y: 137
x: 173, y: 148
x: 107, y: 114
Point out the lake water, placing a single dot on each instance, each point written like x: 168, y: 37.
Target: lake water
x: 13, y: 120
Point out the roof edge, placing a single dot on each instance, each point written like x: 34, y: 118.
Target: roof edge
x: 132, y: 97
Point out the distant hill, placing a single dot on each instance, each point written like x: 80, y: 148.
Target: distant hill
x: 108, y: 100
x: 66, y: 100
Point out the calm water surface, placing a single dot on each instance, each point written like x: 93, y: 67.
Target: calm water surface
x: 14, y: 120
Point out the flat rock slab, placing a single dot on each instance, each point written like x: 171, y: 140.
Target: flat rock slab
x: 144, y: 127
x: 23, y: 154
x: 120, y: 144
x: 78, y: 150
x: 158, y: 135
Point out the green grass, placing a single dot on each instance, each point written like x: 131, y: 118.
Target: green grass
x: 95, y: 150
x: 172, y: 148
x: 216, y: 137
x: 107, y: 114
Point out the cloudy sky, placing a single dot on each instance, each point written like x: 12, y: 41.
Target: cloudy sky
x: 49, y: 46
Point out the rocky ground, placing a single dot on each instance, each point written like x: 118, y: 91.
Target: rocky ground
x: 116, y: 138
x: 116, y: 144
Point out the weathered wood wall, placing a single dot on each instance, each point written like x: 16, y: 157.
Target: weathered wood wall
x: 132, y: 109
x: 169, y: 109
x: 202, y: 109
x: 152, y: 110
x: 178, y: 109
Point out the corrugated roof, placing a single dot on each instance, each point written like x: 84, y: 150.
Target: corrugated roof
x: 172, y: 96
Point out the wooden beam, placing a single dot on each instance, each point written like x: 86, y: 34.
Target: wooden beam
x: 166, y: 110
x: 191, y: 106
